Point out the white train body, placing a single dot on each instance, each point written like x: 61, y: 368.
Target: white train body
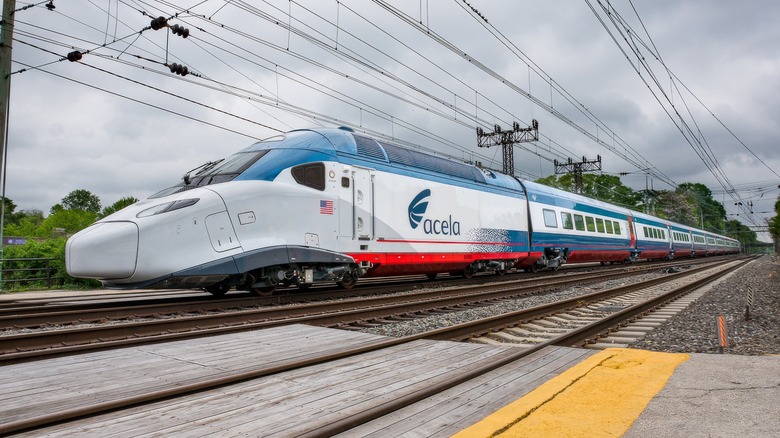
x: 332, y: 205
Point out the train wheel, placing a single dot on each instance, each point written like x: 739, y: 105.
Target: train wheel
x: 348, y: 281
x: 555, y: 268
x: 432, y: 276
x: 500, y: 272
x: 218, y: 289
x: 534, y: 268
x: 468, y: 272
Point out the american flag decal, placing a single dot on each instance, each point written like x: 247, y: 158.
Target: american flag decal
x: 326, y: 207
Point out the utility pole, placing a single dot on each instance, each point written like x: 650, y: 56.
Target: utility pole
x: 6, y: 36
x: 507, y: 140
x: 577, y: 168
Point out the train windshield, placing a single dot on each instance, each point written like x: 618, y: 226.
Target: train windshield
x: 214, y: 172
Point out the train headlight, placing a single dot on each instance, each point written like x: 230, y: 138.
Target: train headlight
x: 168, y: 206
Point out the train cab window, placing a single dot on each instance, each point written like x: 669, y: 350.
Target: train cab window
x: 600, y: 225
x: 579, y: 222
x: 608, y: 226
x: 550, y: 220
x: 590, y: 224
x: 617, y: 227
x: 310, y: 175
x: 566, y: 221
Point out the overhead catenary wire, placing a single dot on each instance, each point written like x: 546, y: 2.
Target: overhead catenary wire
x: 695, y: 138
x: 421, y: 100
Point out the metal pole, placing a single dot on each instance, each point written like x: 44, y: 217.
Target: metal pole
x: 6, y: 36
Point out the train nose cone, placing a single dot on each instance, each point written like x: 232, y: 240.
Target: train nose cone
x: 104, y: 250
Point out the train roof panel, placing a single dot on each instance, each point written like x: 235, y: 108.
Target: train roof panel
x: 367, y: 151
x: 551, y: 195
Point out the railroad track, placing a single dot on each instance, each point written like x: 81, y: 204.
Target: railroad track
x: 40, y: 313
x: 470, y: 330
x: 660, y: 299
x: 374, y: 309
x: 14, y: 312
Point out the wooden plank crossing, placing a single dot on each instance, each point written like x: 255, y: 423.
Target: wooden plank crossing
x: 280, y: 405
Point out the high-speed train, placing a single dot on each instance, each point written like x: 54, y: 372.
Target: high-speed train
x: 333, y: 205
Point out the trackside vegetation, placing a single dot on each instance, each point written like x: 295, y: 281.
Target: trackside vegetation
x: 37, y: 246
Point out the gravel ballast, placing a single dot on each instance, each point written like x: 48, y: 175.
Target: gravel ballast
x: 694, y: 330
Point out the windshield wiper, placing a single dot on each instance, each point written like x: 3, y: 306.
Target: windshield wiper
x: 202, y: 168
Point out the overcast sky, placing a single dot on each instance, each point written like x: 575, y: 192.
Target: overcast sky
x: 118, y: 123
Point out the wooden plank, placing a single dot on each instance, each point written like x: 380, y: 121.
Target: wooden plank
x: 312, y: 397
x: 464, y: 405
x: 158, y: 366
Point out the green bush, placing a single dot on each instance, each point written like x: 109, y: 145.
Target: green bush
x: 53, y: 248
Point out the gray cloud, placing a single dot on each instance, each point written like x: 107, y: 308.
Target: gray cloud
x: 64, y: 136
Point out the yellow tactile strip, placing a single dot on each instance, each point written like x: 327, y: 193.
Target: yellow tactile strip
x: 599, y: 397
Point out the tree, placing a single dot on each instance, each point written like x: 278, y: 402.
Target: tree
x: 677, y: 206
x: 81, y: 199
x: 9, y: 208
x: 691, y: 204
x: 118, y: 205
x: 70, y: 221
x: 774, y: 226
x: 27, y: 224
x: 737, y: 230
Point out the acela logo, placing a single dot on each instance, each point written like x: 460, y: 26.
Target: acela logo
x: 417, y: 209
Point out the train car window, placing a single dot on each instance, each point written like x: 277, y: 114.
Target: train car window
x: 566, y: 221
x: 617, y: 227
x: 590, y: 224
x: 600, y: 225
x: 655, y: 233
x: 644, y: 230
x: 310, y: 175
x: 663, y: 234
x: 550, y: 220
x: 579, y: 222
x: 608, y: 226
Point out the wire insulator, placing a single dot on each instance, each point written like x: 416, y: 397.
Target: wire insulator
x: 74, y: 56
x: 179, y: 69
x: 180, y: 31
x: 158, y: 23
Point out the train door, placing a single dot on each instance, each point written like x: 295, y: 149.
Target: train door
x: 362, y: 203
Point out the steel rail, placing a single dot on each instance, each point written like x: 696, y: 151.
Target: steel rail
x: 19, y: 347
x: 38, y: 312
